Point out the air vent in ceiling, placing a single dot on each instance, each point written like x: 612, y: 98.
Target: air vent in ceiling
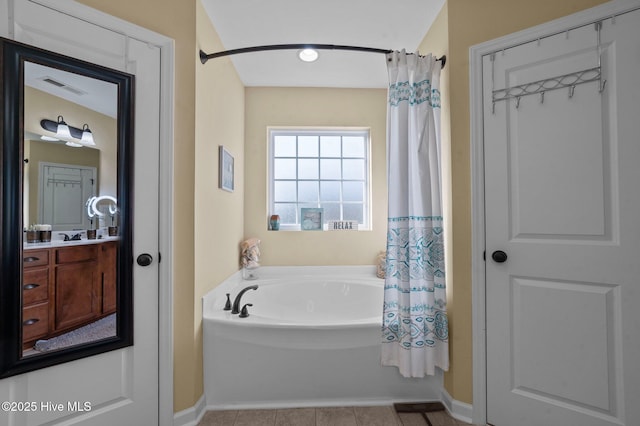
x: 63, y: 86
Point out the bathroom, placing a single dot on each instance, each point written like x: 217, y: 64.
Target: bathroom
x: 212, y: 107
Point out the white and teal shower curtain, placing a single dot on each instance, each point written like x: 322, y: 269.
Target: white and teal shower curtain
x: 415, y: 327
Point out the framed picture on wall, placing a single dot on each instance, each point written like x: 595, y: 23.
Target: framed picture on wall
x: 225, y: 169
x: 311, y: 219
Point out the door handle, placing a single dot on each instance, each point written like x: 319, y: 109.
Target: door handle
x: 499, y: 256
x: 144, y: 259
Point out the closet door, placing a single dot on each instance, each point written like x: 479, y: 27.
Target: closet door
x: 562, y: 202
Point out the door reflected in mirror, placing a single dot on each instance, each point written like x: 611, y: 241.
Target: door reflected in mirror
x: 67, y: 157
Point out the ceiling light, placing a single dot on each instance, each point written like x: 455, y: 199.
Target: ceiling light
x: 73, y: 144
x: 48, y: 138
x: 308, y: 55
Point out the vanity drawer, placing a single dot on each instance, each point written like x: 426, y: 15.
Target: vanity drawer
x: 35, y: 287
x: 32, y: 258
x: 77, y: 254
x: 35, y: 321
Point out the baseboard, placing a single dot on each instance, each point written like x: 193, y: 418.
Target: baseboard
x: 457, y: 409
x: 191, y: 416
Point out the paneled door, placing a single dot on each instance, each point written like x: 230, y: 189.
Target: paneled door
x: 119, y: 387
x: 562, y: 206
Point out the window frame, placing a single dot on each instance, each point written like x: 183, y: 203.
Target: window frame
x: 365, y: 132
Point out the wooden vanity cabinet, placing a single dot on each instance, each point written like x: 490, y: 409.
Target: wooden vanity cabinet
x: 35, y: 295
x: 78, y: 287
x: 108, y: 268
x: 67, y: 287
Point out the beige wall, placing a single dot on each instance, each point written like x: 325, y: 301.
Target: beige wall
x: 314, y: 107
x: 471, y: 23
x: 218, y: 214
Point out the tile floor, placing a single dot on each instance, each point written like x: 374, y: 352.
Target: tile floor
x: 332, y: 416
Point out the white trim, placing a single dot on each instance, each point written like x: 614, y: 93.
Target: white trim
x: 192, y: 415
x: 167, y: 83
x: 476, y: 53
x: 457, y: 409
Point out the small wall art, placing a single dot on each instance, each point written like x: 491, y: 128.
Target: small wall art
x: 311, y: 219
x: 225, y: 169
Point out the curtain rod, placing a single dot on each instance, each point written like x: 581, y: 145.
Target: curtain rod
x: 204, y: 57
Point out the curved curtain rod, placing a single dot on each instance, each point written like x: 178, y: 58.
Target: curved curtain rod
x: 204, y: 57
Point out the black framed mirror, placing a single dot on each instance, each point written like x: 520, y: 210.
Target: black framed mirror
x: 66, y: 239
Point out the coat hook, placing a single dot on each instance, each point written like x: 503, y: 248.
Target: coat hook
x: 541, y: 97
x: 517, y: 102
x: 493, y: 107
x: 602, y: 85
x: 571, y: 89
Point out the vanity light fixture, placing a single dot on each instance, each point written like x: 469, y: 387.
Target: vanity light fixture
x: 87, y: 136
x: 62, y: 129
x: 71, y: 135
x: 308, y: 55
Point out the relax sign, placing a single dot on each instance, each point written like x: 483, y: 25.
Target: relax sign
x: 342, y: 225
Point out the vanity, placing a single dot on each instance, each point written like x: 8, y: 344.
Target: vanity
x: 66, y: 285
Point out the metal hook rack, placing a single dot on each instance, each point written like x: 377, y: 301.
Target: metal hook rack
x: 569, y: 81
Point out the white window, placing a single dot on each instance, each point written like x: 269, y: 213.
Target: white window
x: 326, y: 169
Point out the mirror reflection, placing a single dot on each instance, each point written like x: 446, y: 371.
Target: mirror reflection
x: 70, y: 210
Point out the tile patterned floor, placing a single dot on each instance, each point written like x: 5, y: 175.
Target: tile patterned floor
x: 332, y: 416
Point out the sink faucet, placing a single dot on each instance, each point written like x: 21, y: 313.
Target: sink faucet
x: 236, y: 302
x: 75, y: 237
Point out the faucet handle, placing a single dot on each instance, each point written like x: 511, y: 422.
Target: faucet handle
x: 227, y: 306
x: 245, y: 312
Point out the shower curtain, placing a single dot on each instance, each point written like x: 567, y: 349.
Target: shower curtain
x: 415, y: 326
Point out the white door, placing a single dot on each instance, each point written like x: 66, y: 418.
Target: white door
x: 562, y: 201
x: 63, y: 192
x: 120, y: 386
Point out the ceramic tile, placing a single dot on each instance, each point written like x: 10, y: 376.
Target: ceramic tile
x: 218, y: 418
x: 412, y: 419
x: 335, y: 416
x: 296, y: 417
x: 441, y: 418
x: 376, y: 416
x: 256, y: 418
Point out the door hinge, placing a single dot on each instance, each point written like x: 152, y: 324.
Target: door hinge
x: 484, y: 255
x: 159, y: 257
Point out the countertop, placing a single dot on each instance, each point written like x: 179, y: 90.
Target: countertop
x: 60, y: 243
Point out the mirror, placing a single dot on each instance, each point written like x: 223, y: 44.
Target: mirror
x: 66, y: 251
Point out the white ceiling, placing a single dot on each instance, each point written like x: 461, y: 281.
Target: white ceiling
x: 91, y: 93
x: 382, y: 24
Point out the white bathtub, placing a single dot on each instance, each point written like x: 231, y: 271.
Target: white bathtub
x: 312, y: 338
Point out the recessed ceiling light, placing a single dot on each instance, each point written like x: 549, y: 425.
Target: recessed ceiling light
x: 308, y: 55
